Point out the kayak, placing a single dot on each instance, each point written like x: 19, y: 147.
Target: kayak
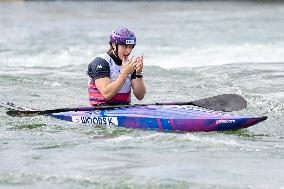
x: 163, y: 118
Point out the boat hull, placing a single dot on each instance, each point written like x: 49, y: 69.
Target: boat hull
x: 163, y: 118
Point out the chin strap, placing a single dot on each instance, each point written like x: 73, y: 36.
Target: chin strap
x: 116, y: 50
x: 114, y: 54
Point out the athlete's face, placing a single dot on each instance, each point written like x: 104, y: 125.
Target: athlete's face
x: 124, y: 51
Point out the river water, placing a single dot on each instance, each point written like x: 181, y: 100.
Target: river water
x: 192, y: 50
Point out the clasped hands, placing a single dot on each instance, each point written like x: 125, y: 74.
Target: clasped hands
x: 133, y: 64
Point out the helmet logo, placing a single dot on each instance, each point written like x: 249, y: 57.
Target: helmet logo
x: 130, y: 41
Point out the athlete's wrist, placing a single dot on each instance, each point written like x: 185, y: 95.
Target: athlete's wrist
x: 139, y: 76
x: 139, y: 73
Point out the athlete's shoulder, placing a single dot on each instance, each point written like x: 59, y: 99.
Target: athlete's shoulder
x: 98, y: 68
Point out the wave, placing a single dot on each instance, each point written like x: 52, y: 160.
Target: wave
x: 204, y: 56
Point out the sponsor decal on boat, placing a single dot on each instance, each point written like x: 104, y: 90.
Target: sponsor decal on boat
x: 221, y: 121
x: 95, y: 120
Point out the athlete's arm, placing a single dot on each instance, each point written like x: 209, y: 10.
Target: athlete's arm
x: 138, y: 86
x: 109, y: 88
x: 139, y: 89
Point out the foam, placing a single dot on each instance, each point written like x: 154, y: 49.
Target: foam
x: 219, y: 55
x: 211, y: 55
